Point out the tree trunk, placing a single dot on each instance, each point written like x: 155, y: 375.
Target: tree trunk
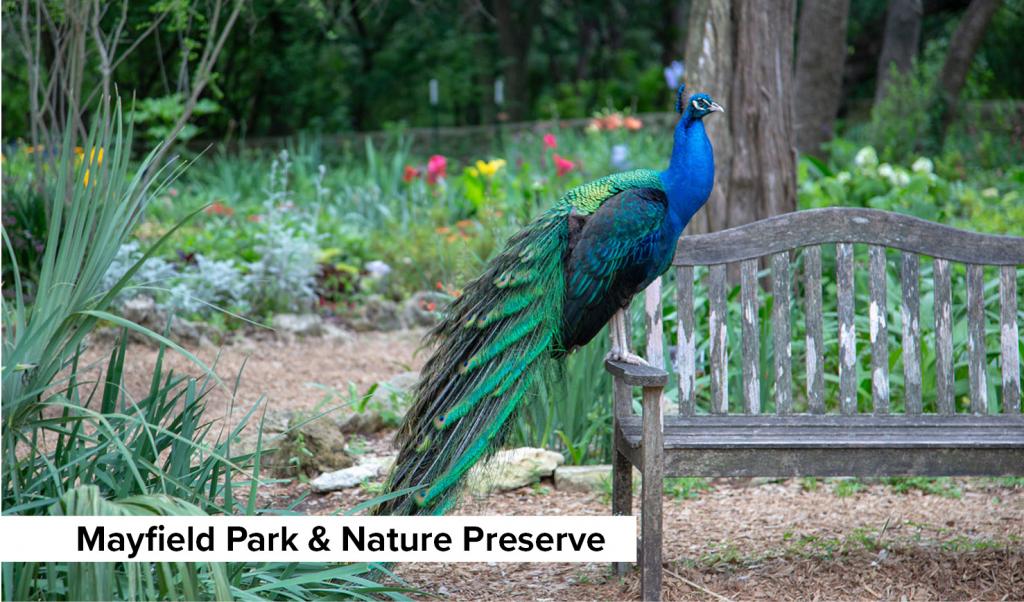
x: 709, y: 56
x: 819, y: 72
x: 900, y: 42
x: 763, y: 178
x: 515, y: 30
x: 672, y: 33
x: 961, y: 51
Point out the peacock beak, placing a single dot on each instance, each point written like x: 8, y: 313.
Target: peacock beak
x: 716, y: 107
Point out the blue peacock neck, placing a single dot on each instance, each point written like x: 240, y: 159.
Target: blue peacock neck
x: 691, y: 171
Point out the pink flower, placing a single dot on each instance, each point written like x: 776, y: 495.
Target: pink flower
x: 550, y: 141
x: 563, y: 165
x: 410, y: 174
x: 437, y: 168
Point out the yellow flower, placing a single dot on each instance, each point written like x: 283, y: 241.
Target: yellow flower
x: 92, y: 155
x: 491, y: 167
x: 79, y: 151
x: 85, y: 180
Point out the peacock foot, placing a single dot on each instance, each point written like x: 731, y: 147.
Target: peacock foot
x: 617, y: 355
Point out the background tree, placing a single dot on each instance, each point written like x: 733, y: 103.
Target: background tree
x: 962, y: 48
x: 900, y: 42
x: 821, y: 53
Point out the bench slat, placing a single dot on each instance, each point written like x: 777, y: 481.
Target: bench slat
x: 879, y: 330
x: 686, y: 353
x: 655, y: 352
x: 847, y: 334
x: 943, y: 307
x: 782, y: 341
x: 815, y: 352
x: 1009, y: 338
x: 976, y: 338
x: 751, y: 338
x: 719, y: 340
x: 911, y: 313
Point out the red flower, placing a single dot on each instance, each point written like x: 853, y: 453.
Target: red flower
x: 437, y: 168
x: 256, y: 218
x: 218, y: 208
x: 563, y: 165
x: 550, y: 141
x: 410, y: 174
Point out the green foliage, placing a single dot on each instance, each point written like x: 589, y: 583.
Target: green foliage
x: 155, y: 117
x: 686, y: 488
x: 942, y: 486
x: 847, y: 487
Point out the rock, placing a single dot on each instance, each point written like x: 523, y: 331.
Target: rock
x: 424, y: 308
x: 336, y: 335
x: 377, y: 313
x: 314, y: 447
x: 386, y: 408
x: 513, y: 468
x: 583, y: 479
x: 144, y: 311
x: 368, y: 468
x: 303, y: 325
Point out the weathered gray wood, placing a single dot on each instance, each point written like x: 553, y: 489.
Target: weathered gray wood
x: 879, y: 330
x: 847, y: 333
x: 815, y: 357
x: 911, y: 313
x: 653, y: 327
x: 622, y: 476
x: 1009, y: 339
x: 943, y: 307
x: 637, y: 376
x: 976, y: 338
x: 849, y: 225
x: 782, y: 340
x: 751, y: 338
x: 623, y: 396
x: 653, y: 454
x: 686, y: 352
x: 719, y: 340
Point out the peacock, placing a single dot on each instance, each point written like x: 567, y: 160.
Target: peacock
x: 554, y: 286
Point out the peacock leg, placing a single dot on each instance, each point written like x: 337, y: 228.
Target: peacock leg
x: 620, y: 342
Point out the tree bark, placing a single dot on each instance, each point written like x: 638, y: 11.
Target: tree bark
x: 900, y: 42
x: 515, y: 29
x: 709, y: 66
x: 962, y: 48
x: 820, y: 56
x: 763, y: 178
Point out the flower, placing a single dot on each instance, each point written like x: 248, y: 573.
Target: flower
x: 674, y: 74
x: 923, y: 165
x: 886, y: 171
x: 990, y: 193
x: 866, y: 157
x: 410, y: 173
x: 550, y: 141
x: 255, y: 218
x: 437, y: 167
x: 613, y: 121
x: 93, y: 155
x: 377, y: 268
x: 217, y: 208
x: 620, y: 157
x: 490, y: 167
x: 632, y: 123
x: 85, y: 180
x: 843, y: 177
x: 563, y: 165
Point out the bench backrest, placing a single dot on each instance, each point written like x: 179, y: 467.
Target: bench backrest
x: 793, y: 244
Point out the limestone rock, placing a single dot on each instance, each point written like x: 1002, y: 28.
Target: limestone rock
x: 377, y: 313
x: 368, y: 468
x: 425, y: 308
x: 513, y: 468
x: 314, y: 447
x: 303, y: 325
x: 583, y: 479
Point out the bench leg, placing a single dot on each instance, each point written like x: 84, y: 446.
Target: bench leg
x: 622, y: 495
x: 653, y: 448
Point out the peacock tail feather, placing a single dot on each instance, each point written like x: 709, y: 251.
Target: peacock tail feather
x: 494, y: 341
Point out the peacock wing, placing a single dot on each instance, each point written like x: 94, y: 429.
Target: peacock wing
x: 614, y: 254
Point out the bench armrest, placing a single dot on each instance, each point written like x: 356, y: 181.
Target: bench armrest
x: 637, y: 376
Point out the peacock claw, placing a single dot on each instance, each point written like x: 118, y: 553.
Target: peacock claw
x: 616, y: 355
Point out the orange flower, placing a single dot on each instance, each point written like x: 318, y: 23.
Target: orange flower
x: 464, y: 223
x: 442, y: 230
x: 613, y: 121
x: 632, y: 123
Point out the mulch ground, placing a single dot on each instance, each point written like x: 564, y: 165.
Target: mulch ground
x: 742, y: 539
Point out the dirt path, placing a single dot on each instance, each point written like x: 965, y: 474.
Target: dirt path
x: 741, y: 539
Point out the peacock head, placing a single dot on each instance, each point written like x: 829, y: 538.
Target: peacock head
x: 697, y: 106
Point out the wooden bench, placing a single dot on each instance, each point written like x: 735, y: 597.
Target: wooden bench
x: 861, y: 433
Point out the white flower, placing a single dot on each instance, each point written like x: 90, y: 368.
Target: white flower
x: 886, y: 171
x: 377, y: 268
x: 900, y: 178
x: 990, y: 193
x: 866, y: 157
x: 923, y: 165
x: 843, y: 177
